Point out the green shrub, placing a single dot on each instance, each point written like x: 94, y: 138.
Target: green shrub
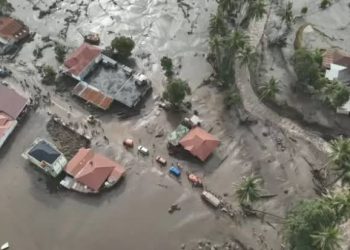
x: 304, y: 10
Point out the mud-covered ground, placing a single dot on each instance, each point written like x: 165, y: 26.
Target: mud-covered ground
x: 134, y: 215
x: 327, y: 29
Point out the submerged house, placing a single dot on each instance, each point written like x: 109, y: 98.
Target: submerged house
x: 101, y: 80
x: 337, y: 66
x: 89, y: 172
x: 46, y: 157
x: 12, y: 107
x: 199, y: 143
x: 12, y: 32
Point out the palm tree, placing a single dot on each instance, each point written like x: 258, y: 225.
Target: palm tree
x: 247, y: 55
x: 257, y: 9
x: 249, y: 190
x: 340, y: 203
x: 217, y: 25
x: 327, y: 239
x: 216, y: 46
x: 340, y: 156
x: 269, y: 89
x: 287, y: 14
x: 227, y: 5
x: 236, y: 41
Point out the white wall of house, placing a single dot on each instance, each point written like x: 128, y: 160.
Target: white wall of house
x: 7, y: 133
x: 333, y: 72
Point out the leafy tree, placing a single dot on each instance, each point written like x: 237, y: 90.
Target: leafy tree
x: 60, y: 51
x: 227, y: 5
x: 216, y: 44
x: 5, y: 7
x: 305, y: 220
x: 176, y: 91
x: 287, y: 14
x: 232, y: 98
x: 318, y: 57
x: 49, y: 75
x: 325, y: 4
x: 327, y: 239
x: 124, y: 45
x: 217, y: 25
x: 304, y: 10
x: 269, y: 89
x: 167, y: 66
x: 334, y: 93
x: 306, y: 68
x: 249, y: 190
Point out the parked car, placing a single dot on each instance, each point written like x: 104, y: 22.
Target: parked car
x: 4, y: 72
x: 211, y: 199
x: 195, y: 180
x: 129, y: 143
x: 161, y: 160
x: 176, y: 171
x: 143, y: 150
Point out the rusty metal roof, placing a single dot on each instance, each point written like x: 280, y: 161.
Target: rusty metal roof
x: 92, y: 95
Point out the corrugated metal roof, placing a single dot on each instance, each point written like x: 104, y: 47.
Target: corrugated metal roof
x: 200, y: 143
x: 92, y: 95
x: 93, y: 169
x: 81, y: 58
x: 336, y: 57
x: 11, y: 29
x: 11, y: 102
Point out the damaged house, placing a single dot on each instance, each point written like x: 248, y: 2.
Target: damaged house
x: 12, y: 32
x: 337, y: 66
x: 101, y: 80
x: 46, y: 157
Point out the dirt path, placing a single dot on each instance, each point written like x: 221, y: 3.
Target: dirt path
x: 253, y: 104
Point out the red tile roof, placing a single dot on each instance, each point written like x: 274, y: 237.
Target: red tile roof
x: 92, y: 169
x: 81, y: 58
x: 11, y: 29
x: 200, y: 143
x: 336, y: 57
x: 11, y: 102
x: 6, y: 123
x: 92, y: 95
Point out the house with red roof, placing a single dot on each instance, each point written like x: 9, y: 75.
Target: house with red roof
x: 12, y: 106
x: 12, y: 32
x: 102, y: 80
x: 89, y: 172
x: 83, y: 60
x: 337, y: 66
x: 199, y: 143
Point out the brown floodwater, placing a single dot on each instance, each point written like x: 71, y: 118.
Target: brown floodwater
x: 133, y: 215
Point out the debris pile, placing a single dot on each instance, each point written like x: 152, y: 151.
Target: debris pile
x: 66, y: 140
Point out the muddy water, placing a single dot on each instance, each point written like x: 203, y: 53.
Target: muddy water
x: 159, y: 28
x: 132, y: 216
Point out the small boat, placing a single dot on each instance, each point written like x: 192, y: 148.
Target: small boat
x: 5, y: 246
x: 92, y: 38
